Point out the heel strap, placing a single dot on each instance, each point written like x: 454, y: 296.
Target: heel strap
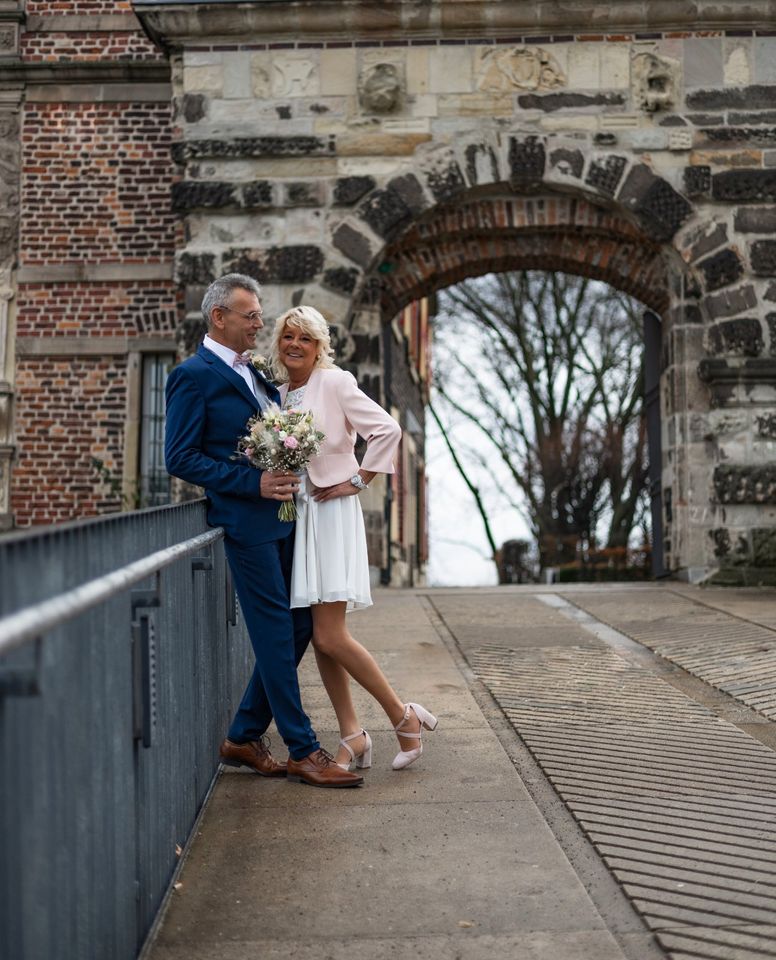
x: 345, y: 742
x: 404, y: 719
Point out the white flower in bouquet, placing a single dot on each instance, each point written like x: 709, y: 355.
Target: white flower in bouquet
x: 281, y: 440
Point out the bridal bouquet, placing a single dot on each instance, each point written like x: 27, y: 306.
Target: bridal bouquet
x: 281, y: 440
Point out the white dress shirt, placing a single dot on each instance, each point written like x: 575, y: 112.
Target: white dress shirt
x: 227, y: 355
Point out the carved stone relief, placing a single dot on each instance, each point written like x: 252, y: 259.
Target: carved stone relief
x: 518, y: 68
x: 9, y: 40
x: 654, y: 82
x: 381, y: 87
x: 294, y: 76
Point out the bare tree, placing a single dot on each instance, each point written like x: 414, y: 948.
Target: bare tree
x: 548, y: 367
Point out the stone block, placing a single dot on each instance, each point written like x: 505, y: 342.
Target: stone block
x: 702, y: 62
x: 755, y: 220
x: 568, y: 162
x: 659, y: 207
x: 193, y: 107
x: 295, y: 263
x: 379, y: 144
x: 302, y: 193
x: 338, y: 72
x: 721, y: 269
x: 745, y: 186
x: 584, y: 66
x: 766, y: 426
x: 261, y: 75
x: 752, y: 97
x: 697, y: 180
x: 762, y: 255
x: 421, y: 105
x: 764, y: 55
x: 384, y: 211
x: 567, y: 123
x: 730, y: 302
x: 704, y: 239
x: 526, y: 159
x: 445, y: 179
x: 615, y: 66
x: 475, y: 105
x: 737, y: 54
x: 237, y: 76
x: 646, y: 139
x: 204, y: 79
x: 742, y: 337
x: 349, y: 190
x: 764, y: 547
x: 296, y: 73
x: 353, y: 243
x: 195, y: 268
x: 481, y: 163
x: 194, y: 195
x: 417, y: 69
x: 257, y: 193
x: 744, y: 483
x: 242, y: 147
x: 409, y: 189
x: 202, y: 58
x: 550, y: 102
x: 341, y: 279
x: 605, y: 173
x: 450, y: 70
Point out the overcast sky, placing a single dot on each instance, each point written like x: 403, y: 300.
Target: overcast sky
x: 458, y: 547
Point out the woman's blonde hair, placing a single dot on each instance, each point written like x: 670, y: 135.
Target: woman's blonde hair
x: 311, y: 322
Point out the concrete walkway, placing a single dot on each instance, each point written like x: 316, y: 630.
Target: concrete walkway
x: 449, y: 859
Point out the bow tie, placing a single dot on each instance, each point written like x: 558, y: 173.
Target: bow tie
x: 241, y: 360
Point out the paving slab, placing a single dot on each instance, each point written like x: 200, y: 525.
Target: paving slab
x: 674, y: 782
x: 448, y: 859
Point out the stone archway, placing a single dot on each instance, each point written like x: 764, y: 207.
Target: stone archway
x: 428, y: 143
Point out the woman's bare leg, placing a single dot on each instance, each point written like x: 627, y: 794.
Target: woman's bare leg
x: 336, y: 680
x: 332, y: 639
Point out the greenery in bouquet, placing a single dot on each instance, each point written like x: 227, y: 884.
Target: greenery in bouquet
x: 281, y: 440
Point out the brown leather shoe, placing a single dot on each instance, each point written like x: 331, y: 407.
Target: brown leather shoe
x: 254, y: 754
x: 319, y: 769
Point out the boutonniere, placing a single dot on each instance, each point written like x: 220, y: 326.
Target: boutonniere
x: 261, y: 365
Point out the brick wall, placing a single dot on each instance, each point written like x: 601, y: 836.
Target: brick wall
x: 69, y: 411
x: 96, y: 182
x: 97, y: 241
x: 97, y: 309
x: 53, y: 46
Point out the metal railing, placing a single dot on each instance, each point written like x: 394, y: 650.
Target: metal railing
x: 120, y: 666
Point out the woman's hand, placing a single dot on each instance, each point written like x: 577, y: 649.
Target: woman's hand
x: 344, y: 489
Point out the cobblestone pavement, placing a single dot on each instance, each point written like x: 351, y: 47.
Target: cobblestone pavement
x: 672, y: 779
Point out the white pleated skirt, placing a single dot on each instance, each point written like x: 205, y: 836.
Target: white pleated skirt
x: 330, y: 557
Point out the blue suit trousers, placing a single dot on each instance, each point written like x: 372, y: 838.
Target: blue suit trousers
x: 279, y: 637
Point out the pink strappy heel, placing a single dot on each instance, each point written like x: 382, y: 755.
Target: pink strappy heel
x: 405, y: 757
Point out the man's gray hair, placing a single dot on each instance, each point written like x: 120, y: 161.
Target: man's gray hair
x: 219, y: 293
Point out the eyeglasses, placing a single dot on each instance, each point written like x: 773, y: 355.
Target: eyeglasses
x: 254, y: 317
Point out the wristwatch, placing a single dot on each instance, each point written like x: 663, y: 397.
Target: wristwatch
x: 357, y: 481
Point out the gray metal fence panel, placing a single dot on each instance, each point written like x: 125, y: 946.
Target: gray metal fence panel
x: 104, y: 769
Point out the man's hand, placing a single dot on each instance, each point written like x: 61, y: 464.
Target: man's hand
x: 281, y: 485
x: 344, y: 489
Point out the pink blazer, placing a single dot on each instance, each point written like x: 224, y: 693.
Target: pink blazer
x: 341, y: 411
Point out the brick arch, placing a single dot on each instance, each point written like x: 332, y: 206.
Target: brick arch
x: 499, y: 201
x: 491, y: 235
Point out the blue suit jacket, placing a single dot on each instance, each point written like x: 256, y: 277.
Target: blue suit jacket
x: 208, y: 406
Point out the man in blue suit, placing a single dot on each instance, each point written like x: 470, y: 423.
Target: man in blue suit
x: 210, y: 397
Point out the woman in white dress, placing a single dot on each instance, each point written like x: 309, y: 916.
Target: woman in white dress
x: 331, y: 572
